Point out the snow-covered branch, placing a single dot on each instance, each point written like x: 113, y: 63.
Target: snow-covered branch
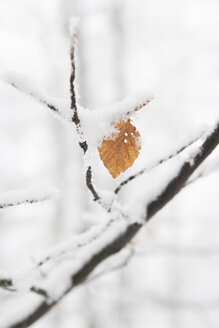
x: 74, y: 105
x: 22, y: 84
x: 6, y: 283
x: 90, y: 185
x: 156, y: 163
x: 119, y: 233
x: 29, y: 196
x: 187, y: 169
x: 209, y: 168
x: 119, y: 261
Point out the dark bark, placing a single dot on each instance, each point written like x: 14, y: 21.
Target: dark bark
x: 90, y: 185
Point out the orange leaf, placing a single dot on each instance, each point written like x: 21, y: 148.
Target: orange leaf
x: 119, y: 151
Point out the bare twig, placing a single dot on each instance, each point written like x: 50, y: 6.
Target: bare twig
x: 36, y: 98
x: 39, y: 291
x: 75, y: 118
x: 27, y: 196
x: 140, y: 106
x: 25, y: 201
x: 7, y: 284
x: 74, y: 245
x: 90, y: 185
x: 152, y: 166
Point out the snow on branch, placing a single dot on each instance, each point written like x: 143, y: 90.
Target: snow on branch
x: 73, y: 33
x: 11, y: 286
x: 90, y: 185
x: 156, y: 163
x: 209, y: 168
x: 29, y: 196
x: 118, y: 261
x: 6, y: 283
x: 118, y: 234
x: 74, y: 106
x: 106, y: 119
x: 22, y: 84
x: 75, y: 118
x: 187, y: 169
x: 123, y: 109
x: 127, y: 107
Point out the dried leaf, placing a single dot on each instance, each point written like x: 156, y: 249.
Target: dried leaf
x: 119, y: 151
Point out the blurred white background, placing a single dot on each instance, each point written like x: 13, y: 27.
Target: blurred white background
x: 166, y: 47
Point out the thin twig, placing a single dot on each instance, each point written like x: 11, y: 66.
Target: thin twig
x: 37, y: 98
x: 5, y: 282
x: 152, y: 166
x: 90, y: 185
x: 25, y: 201
x: 75, y: 118
x: 140, y: 106
x: 39, y: 291
x: 74, y: 246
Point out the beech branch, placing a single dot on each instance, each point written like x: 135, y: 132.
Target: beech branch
x: 6, y: 283
x: 29, y: 196
x: 203, y: 173
x: 90, y: 185
x: 121, y: 263
x: 141, y: 105
x: 121, y: 239
x: 152, y: 166
x: 36, y: 98
x: 25, y: 201
x: 75, y: 118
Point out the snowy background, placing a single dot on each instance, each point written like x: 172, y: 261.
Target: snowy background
x: 164, y: 47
